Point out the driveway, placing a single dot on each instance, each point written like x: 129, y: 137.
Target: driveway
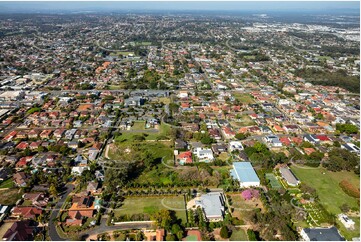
x: 53, y: 234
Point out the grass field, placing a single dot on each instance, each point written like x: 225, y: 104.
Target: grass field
x: 273, y: 181
x: 150, y: 205
x: 244, y: 98
x: 149, y: 135
x: 9, y: 196
x: 327, y: 185
x: 239, y: 235
x: 124, y: 53
x: 158, y: 149
x: 138, y: 125
x: 245, y: 120
x: 7, y: 183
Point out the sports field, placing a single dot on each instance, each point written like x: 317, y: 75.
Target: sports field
x: 273, y: 181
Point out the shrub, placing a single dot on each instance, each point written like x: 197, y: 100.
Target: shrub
x: 224, y: 232
x: 349, y: 189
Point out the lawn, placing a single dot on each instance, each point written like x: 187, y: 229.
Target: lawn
x: 7, y: 183
x: 150, y: 205
x: 327, y: 185
x: 9, y: 196
x: 138, y: 125
x: 239, y: 235
x: 244, y: 98
x: 223, y: 156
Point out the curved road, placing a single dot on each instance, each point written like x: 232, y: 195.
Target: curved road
x: 53, y: 234
x: 102, y: 228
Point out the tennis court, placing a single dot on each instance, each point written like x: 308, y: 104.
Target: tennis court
x: 273, y: 181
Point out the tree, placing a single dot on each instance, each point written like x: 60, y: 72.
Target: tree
x: 345, y: 208
x: 206, y: 139
x: 224, y: 232
x: 53, y: 190
x: 170, y: 237
x: 165, y: 218
x: 241, y: 136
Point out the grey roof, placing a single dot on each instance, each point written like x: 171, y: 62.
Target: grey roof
x: 212, y: 204
x: 323, y: 234
x: 288, y: 175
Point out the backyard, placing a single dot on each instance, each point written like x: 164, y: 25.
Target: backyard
x: 7, y: 183
x: 9, y: 196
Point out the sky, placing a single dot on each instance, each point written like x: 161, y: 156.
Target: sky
x: 296, y: 6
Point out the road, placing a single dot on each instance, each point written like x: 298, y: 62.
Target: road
x: 53, y: 234
x: 102, y: 228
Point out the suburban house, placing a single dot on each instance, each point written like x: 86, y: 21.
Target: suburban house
x: 93, y: 187
x: 346, y: 221
x: 82, y: 206
x: 245, y: 174
x: 351, y: 147
x: 273, y: 141
x: 20, y: 231
x: 289, y: 177
x: 219, y: 148
x: 180, y: 144
x: 204, y: 154
x: 20, y: 179
x: 184, y: 158
x: 37, y: 199
x: 311, y: 138
x: 321, y: 234
x: 27, y: 212
x: 235, y: 145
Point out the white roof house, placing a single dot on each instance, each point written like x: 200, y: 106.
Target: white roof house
x: 78, y: 170
x: 204, y: 154
x: 235, y: 145
x: 273, y: 140
x: 346, y: 221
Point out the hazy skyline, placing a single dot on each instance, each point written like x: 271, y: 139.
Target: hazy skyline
x: 294, y: 6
